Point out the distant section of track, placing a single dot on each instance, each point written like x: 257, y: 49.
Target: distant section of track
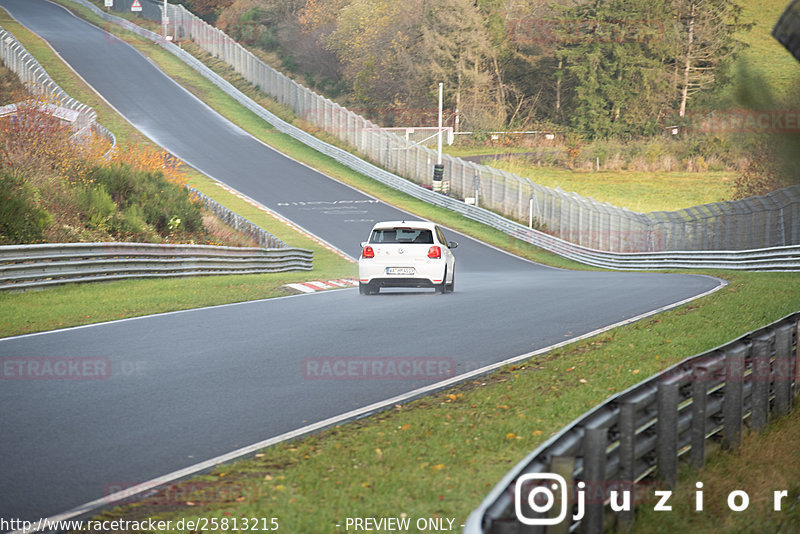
x: 188, y: 386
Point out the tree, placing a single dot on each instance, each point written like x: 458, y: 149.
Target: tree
x: 456, y: 41
x: 616, y: 72
x: 705, y: 29
x: 208, y: 10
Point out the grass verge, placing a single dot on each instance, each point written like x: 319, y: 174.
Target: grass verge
x: 78, y: 304
x: 232, y: 110
x: 763, y: 464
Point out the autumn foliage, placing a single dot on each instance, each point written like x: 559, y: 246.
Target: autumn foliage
x: 58, y: 185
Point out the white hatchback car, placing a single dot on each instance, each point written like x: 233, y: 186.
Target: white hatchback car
x: 406, y: 254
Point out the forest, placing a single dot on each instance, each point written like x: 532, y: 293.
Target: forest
x: 637, y: 85
x: 600, y: 69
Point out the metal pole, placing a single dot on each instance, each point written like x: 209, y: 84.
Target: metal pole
x: 438, y: 169
x: 530, y: 214
x: 164, y: 20
x: 439, y: 142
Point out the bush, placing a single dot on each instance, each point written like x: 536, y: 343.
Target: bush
x: 21, y: 221
x: 97, y: 206
x: 130, y: 223
x: 157, y: 200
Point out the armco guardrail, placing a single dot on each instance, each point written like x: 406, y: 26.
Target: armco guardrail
x: 639, y: 435
x: 38, y: 82
x: 763, y: 222
x: 774, y: 258
x: 236, y: 221
x: 27, y: 266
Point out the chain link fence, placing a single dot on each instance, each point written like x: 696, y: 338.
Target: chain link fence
x: 38, y: 82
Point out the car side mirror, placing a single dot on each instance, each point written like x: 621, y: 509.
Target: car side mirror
x: 452, y: 244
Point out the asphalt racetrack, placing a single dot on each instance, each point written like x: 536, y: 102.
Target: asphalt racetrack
x: 175, y: 389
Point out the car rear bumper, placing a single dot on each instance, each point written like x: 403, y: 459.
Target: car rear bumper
x: 401, y: 282
x: 427, y: 274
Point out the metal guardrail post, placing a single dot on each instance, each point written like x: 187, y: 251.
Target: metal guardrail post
x: 595, y: 442
x: 701, y: 375
x: 724, y: 384
x: 760, y: 378
x: 733, y: 406
x: 564, y: 466
x: 784, y: 369
x: 667, y: 431
x: 796, y: 359
x: 627, y: 454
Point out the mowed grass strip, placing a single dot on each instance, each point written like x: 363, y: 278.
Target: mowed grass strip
x: 439, y: 456
x: 74, y: 305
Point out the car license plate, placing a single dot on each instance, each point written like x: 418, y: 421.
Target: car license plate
x: 400, y: 270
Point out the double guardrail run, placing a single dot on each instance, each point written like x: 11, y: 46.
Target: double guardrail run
x: 770, y: 220
x: 638, y: 436
x: 27, y: 266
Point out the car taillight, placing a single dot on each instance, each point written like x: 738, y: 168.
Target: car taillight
x: 434, y: 252
x: 368, y: 252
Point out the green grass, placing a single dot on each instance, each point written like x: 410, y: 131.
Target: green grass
x: 467, y: 149
x: 638, y: 191
x: 779, y: 70
x: 78, y: 304
x: 763, y: 464
x: 64, y: 76
x: 440, y: 455
x: 229, y: 108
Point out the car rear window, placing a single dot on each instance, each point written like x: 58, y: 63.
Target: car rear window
x: 402, y: 235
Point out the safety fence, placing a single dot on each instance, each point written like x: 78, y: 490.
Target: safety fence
x: 635, y: 440
x: 38, y: 82
x: 771, y: 220
x: 28, y: 266
x: 236, y: 221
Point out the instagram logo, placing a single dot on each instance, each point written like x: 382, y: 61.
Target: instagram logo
x: 538, y: 492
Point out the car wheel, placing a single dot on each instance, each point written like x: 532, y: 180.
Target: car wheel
x: 442, y: 288
x: 451, y: 287
x: 365, y: 289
